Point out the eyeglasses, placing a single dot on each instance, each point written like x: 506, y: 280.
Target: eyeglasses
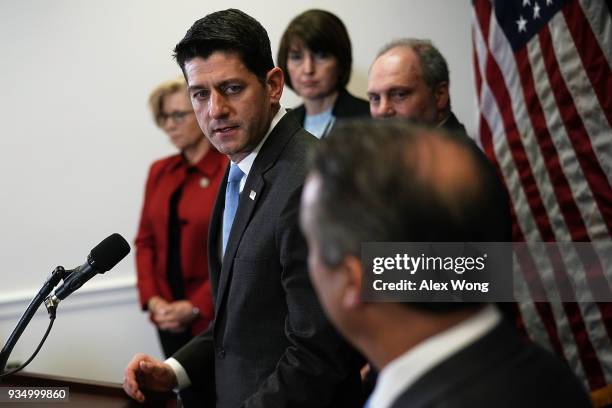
x: 177, y: 116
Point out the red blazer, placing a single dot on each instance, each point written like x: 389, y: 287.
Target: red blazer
x: 194, y: 209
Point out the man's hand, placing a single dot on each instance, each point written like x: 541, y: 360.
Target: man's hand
x: 145, y: 372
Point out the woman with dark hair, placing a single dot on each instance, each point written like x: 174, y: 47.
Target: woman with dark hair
x: 171, y: 258
x: 315, y: 53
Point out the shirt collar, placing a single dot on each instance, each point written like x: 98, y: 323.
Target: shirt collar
x: 246, y: 163
x: 405, y: 370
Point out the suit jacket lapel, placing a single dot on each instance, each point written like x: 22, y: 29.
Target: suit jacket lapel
x: 253, y: 190
x: 214, y: 230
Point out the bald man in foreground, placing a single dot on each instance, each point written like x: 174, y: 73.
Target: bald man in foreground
x: 385, y: 181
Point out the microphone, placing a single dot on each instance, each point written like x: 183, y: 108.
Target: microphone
x: 102, y: 258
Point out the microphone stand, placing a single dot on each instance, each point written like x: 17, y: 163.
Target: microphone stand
x: 56, y: 276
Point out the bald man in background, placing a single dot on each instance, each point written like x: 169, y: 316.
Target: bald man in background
x: 409, y: 79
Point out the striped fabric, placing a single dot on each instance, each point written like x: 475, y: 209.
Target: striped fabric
x: 544, y: 95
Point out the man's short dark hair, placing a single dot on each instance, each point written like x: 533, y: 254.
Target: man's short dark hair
x: 228, y: 31
x: 377, y: 185
x: 320, y: 31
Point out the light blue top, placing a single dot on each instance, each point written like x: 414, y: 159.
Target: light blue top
x: 320, y: 123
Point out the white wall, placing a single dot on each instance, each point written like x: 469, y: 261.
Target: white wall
x: 76, y: 141
x: 96, y: 332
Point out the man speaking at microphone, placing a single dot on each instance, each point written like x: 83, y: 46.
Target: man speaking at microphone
x: 270, y: 344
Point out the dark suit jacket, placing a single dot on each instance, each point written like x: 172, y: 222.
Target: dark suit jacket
x: 346, y: 106
x: 499, y: 370
x: 452, y: 124
x: 270, y: 344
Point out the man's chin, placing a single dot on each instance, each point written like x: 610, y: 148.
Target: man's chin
x: 233, y: 152
x: 225, y: 147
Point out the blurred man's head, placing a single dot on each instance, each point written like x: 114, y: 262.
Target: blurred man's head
x: 409, y: 79
x: 387, y: 181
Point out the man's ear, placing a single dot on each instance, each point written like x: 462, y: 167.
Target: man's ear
x: 275, y: 81
x: 442, y: 97
x: 351, y: 297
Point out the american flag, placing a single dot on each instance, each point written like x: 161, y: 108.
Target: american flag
x: 544, y: 96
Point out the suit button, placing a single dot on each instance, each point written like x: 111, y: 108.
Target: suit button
x: 221, y: 353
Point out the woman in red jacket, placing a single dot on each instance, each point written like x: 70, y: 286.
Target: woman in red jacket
x: 171, y: 257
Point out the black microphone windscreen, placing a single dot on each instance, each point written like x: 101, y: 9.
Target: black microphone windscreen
x: 109, y: 252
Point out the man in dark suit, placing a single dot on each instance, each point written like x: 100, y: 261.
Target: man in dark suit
x: 409, y: 79
x: 385, y: 181
x: 270, y: 344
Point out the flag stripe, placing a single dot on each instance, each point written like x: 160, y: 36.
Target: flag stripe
x: 572, y: 330
x: 597, y: 281
x: 600, y: 19
x: 586, y: 352
x: 586, y: 101
x: 478, y: 81
x: 497, y: 146
x: 596, y: 314
x: 558, y: 181
x: 485, y: 142
x: 595, y: 320
x: 495, y: 81
x: 543, y: 308
x: 502, y: 83
x: 511, y: 124
x: 593, y: 59
x: 555, y: 129
x: 594, y: 174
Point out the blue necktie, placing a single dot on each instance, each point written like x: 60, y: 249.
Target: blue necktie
x: 232, y: 194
